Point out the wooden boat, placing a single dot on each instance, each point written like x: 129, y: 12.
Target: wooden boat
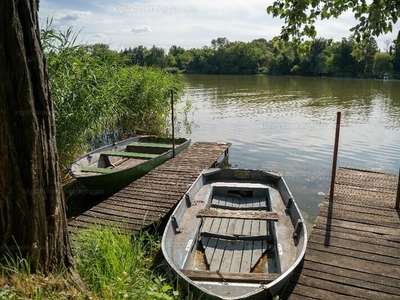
x: 236, y: 234
x: 110, y: 168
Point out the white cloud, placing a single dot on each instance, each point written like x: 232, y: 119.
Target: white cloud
x: 71, y: 18
x: 141, y: 29
x: 99, y: 35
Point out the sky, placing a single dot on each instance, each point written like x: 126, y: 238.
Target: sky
x: 186, y: 23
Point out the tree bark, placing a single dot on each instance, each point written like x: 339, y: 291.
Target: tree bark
x: 32, y: 208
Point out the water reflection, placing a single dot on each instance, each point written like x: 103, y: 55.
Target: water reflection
x: 288, y: 124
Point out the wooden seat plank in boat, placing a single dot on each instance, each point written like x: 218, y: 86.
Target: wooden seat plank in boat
x: 239, y: 214
x: 261, y: 278
x: 98, y: 170
x: 155, y: 145
x: 129, y: 154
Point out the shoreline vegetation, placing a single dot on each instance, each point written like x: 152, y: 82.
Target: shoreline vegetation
x: 318, y: 57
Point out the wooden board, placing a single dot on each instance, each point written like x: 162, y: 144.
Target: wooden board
x: 129, y: 154
x: 98, y: 170
x: 238, y: 214
x: 261, y: 278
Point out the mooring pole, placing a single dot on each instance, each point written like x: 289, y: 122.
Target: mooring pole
x: 172, y: 121
x: 398, y: 192
x: 335, y: 155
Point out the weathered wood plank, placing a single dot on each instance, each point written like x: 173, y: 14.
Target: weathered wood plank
x: 227, y: 257
x: 237, y: 256
x: 363, y: 279
x: 238, y: 214
x: 360, y: 280
x: 218, y: 255
x: 329, y: 285
x: 353, y: 263
x: 353, y: 241
x: 237, y: 237
x: 246, y: 257
x: 305, y: 289
x: 230, y: 276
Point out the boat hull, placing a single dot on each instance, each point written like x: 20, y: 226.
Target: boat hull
x: 112, y: 182
x: 188, y: 249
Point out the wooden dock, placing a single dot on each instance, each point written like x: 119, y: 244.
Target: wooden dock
x: 354, y: 247
x: 145, y: 202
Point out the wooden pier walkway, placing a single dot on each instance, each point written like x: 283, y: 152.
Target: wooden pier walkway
x: 354, y: 247
x: 146, y: 201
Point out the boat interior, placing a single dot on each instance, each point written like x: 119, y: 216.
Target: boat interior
x: 236, y: 240
x: 124, y: 156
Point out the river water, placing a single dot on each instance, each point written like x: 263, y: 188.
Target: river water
x: 288, y: 124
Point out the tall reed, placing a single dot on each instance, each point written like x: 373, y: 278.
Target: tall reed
x: 94, y: 94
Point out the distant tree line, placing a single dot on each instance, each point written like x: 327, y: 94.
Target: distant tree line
x: 322, y: 57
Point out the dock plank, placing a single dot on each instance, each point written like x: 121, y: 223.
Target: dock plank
x: 353, y: 250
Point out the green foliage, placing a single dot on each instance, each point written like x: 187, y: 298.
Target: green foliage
x: 118, y: 266
x: 318, y: 57
x: 382, y: 64
x: 395, y: 49
x: 374, y: 18
x: 93, y: 91
x: 144, y: 95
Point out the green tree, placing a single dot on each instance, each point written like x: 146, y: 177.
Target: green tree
x: 155, y: 57
x: 135, y: 56
x: 315, y: 61
x: 374, y: 17
x: 219, y: 42
x: 382, y: 64
x: 102, y: 52
x: 396, y: 55
x: 343, y: 64
x: 364, y: 52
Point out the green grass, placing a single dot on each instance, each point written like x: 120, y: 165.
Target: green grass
x: 118, y: 266
x: 17, y: 282
x: 111, y: 263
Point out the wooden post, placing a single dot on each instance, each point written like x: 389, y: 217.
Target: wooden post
x: 335, y: 155
x: 172, y: 121
x: 398, y: 192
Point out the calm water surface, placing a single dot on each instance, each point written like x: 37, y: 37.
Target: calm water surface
x: 288, y: 124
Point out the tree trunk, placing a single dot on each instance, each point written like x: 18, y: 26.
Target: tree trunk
x: 32, y: 208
